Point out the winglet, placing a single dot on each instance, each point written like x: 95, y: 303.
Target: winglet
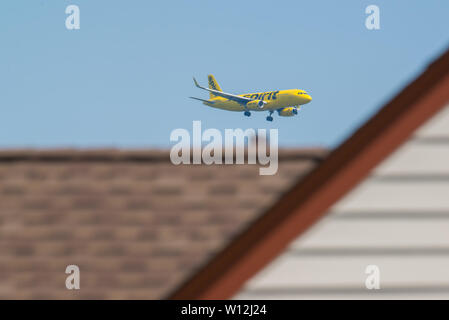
x: 196, y: 83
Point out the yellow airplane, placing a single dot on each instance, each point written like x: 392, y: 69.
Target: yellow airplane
x: 285, y: 102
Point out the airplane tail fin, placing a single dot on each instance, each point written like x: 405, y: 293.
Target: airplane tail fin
x: 213, y: 84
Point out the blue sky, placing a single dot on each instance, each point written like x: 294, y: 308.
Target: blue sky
x: 123, y: 79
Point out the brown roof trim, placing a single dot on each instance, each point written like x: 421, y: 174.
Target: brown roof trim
x: 82, y: 155
x: 311, y: 197
x: 116, y: 155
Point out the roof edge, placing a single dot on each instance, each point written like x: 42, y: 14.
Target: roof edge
x: 132, y: 155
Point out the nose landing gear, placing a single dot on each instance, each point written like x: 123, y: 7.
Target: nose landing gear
x: 247, y: 113
x: 270, y: 118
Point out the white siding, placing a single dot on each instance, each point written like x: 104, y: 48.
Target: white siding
x: 418, y: 157
x: 397, y: 219
x: 376, y: 233
x: 397, y: 195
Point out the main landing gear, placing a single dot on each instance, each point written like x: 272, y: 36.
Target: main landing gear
x: 247, y: 113
x: 270, y: 118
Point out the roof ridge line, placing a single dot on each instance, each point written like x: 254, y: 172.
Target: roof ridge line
x: 133, y: 155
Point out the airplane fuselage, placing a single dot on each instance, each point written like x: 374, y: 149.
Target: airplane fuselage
x: 285, y: 102
x: 274, y: 100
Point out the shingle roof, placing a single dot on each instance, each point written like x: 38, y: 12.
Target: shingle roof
x: 136, y: 225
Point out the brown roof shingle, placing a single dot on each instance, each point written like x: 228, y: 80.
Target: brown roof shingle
x: 136, y: 225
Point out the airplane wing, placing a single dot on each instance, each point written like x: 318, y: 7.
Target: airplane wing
x: 229, y: 96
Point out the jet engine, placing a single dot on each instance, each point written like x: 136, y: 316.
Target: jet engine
x: 260, y: 104
x: 288, y: 111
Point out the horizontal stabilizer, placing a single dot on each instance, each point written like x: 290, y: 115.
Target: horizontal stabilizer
x: 205, y: 101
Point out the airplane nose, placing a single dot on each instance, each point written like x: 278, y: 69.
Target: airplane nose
x: 309, y: 98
